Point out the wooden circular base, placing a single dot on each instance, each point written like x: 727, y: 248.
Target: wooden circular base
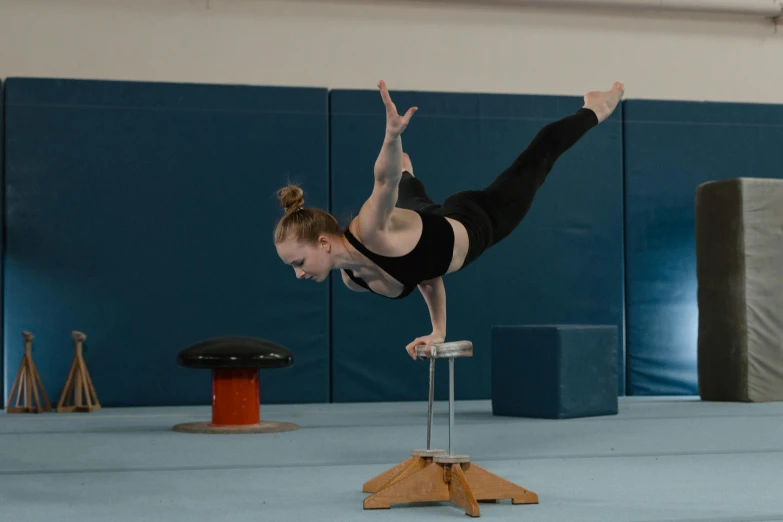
x: 451, y: 459
x: 427, y: 452
x: 261, y: 427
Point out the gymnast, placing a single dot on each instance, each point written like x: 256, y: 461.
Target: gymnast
x: 401, y: 240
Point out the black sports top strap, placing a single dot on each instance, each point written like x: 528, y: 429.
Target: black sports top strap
x: 430, y: 257
x: 359, y: 281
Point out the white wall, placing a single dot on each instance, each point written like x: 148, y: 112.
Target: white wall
x: 444, y: 46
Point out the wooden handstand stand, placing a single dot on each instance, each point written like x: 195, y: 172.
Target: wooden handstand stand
x: 432, y: 475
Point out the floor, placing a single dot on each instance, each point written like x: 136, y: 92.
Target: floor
x: 658, y: 459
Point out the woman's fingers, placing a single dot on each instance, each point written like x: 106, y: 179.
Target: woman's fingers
x: 411, y: 348
x: 385, y: 94
x: 394, y: 121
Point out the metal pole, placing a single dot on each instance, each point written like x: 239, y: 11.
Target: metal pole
x: 431, y: 398
x: 451, y: 403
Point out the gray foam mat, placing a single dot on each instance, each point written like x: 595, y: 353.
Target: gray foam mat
x: 739, y: 252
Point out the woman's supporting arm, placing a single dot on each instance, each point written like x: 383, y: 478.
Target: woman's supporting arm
x: 434, y: 293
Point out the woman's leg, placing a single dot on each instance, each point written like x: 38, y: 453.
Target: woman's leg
x: 411, y: 193
x: 511, y: 194
x: 491, y: 214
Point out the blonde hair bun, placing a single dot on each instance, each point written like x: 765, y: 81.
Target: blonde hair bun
x: 291, y: 198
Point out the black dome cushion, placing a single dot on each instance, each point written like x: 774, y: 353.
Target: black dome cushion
x: 235, y: 352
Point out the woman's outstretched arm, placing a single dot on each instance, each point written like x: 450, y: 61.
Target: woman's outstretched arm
x: 388, y: 167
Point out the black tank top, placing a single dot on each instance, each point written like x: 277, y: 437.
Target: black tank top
x: 429, y: 259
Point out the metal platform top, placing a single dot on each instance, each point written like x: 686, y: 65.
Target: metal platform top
x: 446, y: 350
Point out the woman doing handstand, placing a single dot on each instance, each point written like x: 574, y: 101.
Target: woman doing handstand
x: 401, y: 240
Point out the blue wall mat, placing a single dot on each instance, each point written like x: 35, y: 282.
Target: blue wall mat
x: 141, y: 214
x: 562, y: 265
x: 670, y: 148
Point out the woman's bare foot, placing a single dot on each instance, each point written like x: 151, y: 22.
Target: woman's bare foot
x: 604, y: 103
x: 407, y: 166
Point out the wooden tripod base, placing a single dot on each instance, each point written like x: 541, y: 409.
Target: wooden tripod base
x: 27, y: 384
x: 79, y: 392
x: 434, y: 479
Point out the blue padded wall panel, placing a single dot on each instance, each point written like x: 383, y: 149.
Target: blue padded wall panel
x: 562, y: 265
x: 142, y: 214
x: 670, y: 148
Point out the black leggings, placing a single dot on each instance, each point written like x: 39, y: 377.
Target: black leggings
x: 491, y: 214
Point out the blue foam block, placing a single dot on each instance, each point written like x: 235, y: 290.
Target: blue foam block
x: 554, y: 371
